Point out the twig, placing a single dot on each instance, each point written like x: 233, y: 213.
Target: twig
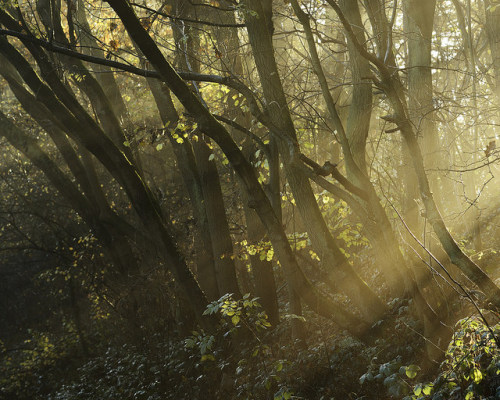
x: 466, y: 293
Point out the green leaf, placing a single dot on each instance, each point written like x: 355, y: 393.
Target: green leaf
x: 211, y: 157
x: 427, y: 389
x: 235, y: 320
x: 477, y: 375
x: 417, y: 390
x: 366, y: 377
x: 206, y: 357
x: 412, y: 370
x: 159, y: 146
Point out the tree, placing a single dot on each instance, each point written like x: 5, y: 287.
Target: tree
x: 270, y: 122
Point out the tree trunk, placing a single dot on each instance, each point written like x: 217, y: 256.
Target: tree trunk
x: 345, y: 277
x: 360, y: 109
x: 187, y: 42
x: 105, y: 75
x: 83, y: 129
x: 258, y: 199
x: 192, y: 180
x: 231, y: 62
x: 493, y: 34
x: 225, y: 268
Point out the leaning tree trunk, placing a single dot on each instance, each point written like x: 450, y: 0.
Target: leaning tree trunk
x: 85, y: 81
x: 105, y: 75
x: 231, y: 63
x: 391, y: 85
x: 208, y: 124
x: 114, y: 240
x: 187, y: 41
x: 192, y: 180
x: 85, y: 131
x: 325, y: 245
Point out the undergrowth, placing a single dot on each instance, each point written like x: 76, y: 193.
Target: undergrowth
x: 245, y: 359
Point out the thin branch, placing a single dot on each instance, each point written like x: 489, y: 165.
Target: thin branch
x: 192, y: 76
x: 331, y: 169
x: 337, y: 192
x: 462, y: 288
x: 193, y: 21
x: 244, y: 130
x: 362, y: 50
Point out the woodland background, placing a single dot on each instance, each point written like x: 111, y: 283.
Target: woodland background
x: 249, y: 199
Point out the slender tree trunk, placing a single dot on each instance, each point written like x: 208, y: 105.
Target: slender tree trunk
x: 187, y: 41
x: 217, y: 221
x: 258, y: 199
x: 105, y: 75
x: 281, y: 52
x: 86, y: 132
x: 231, y: 62
x: 360, y: 109
x: 345, y: 277
x: 192, y: 180
x: 493, y: 34
x: 80, y: 167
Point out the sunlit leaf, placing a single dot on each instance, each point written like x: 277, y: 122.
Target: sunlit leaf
x: 412, y: 371
x: 477, y: 376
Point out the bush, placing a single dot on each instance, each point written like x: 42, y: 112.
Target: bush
x: 471, y: 370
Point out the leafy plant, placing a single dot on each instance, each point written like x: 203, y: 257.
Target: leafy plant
x: 203, y: 342
x: 471, y: 369
x: 392, y: 375
x: 246, y: 311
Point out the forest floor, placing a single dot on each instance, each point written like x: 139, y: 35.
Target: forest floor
x: 121, y: 363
